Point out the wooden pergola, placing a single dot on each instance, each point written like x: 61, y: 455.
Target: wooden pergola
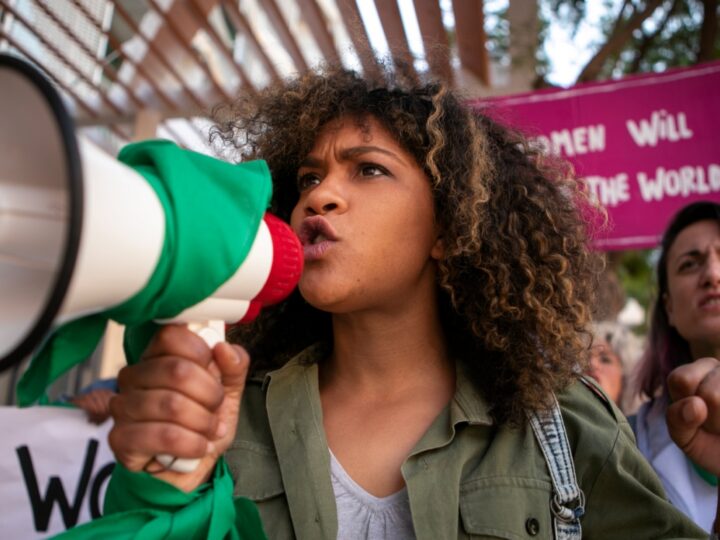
x: 139, y: 68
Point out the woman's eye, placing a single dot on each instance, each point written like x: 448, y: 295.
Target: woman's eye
x: 687, y: 264
x: 306, y: 181
x: 370, y: 169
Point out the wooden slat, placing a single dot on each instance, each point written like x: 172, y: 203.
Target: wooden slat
x: 358, y: 35
x: 91, y: 111
x: 201, y: 17
x: 435, y: 40
x: 184, y: 41
x: 391, y: 21
x: 471, y: 38
x: 117, y: 47
x: 157, y: 54
x: 110, y: 73
x: 288, y: 41
x: 317, y: 22
x: 57, y: 52
x: 241, y: 25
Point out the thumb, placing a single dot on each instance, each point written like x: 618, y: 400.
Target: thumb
x: 233, y: 362
x: 684, y: 418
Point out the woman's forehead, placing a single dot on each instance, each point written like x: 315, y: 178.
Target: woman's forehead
x: 355, y: 129
x: 696, y: 236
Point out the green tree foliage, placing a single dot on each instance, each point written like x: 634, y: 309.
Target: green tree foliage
x: 647, y: 35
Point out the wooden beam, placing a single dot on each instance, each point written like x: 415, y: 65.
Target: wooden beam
x: 281, y: 27
x: 201, y: 16
x: 317, y: 22
x: 77, y: 100
x: 435, y: 40
x: 471, y: 38
x: 392, y: 24
x: 62, y: 57
x: 184, y: 34
x: 359, y: 37
x: 152, y: 46
x: 117, y: 46
x: 241, y: 25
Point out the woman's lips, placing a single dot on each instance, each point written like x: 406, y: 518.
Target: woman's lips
x: 317, y: 235
x: 314, y: 252
x: 710, y: 303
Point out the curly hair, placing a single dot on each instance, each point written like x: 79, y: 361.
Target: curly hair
x: 516, y: 280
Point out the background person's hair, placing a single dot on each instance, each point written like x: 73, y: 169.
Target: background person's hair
x: 516, y: 280
x: 666, y: 348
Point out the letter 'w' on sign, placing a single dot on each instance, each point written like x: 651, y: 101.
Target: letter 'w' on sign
x: 42, y: 507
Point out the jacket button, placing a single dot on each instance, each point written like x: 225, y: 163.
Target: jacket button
x: 532, y: 526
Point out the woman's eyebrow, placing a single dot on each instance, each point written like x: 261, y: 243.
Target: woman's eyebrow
x: 350, y: 153
x: 355, y: 151
x: 694, y: 253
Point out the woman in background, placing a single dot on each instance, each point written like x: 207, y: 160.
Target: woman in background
x: 685, y: 327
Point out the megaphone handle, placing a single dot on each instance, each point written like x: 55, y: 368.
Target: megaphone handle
x: 212, y: 332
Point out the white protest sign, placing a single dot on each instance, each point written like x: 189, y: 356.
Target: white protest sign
x: 54, y: 468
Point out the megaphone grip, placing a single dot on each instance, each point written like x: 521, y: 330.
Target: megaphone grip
x: 212, y: 332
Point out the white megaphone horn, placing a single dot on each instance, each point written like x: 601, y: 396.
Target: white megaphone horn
x: 81, y: 232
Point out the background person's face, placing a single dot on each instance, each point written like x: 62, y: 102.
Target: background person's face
x: 692, y: 302
x: 606, y: 369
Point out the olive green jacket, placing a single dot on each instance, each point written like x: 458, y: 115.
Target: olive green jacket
x: 467, y: 477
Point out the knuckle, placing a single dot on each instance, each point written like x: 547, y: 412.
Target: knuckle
x: 171, y: 405
x: 169, y: 437
x: 179, y: 371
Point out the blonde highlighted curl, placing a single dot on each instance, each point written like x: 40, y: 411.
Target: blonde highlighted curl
x: 517, y: 278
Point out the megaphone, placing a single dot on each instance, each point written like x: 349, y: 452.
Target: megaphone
x: 80, y: 232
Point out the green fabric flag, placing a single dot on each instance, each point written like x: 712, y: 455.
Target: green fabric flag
x: 709, y: 477
x: 141, y: 507
x: 213, y: 210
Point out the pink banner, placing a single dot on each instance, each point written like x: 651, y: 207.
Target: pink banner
x: 645, y: 145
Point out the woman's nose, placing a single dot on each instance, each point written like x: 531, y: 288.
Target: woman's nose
x: 325, y: 197
x: 711, y: 274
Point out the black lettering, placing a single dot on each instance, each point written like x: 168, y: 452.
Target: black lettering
x: 42, y: 507
x: 95, y: 506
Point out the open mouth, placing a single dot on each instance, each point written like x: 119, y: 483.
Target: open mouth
x: 316, y: 230
x: 710, y: 301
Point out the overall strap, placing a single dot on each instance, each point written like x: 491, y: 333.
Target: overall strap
x: 568, y: 502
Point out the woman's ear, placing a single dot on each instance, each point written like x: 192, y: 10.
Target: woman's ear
x: 438, y: 250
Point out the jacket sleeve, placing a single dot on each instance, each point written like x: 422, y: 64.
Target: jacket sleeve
x: 623, y: 496
x: 139, y: 506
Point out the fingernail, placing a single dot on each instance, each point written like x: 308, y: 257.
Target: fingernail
x: 221, y: 429
x: 210, y: 448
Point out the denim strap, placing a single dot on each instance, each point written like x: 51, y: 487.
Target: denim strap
x: 568, y: 502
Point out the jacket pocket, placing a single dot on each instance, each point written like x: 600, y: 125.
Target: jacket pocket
x: 506, y: 507
x: 255, y: 470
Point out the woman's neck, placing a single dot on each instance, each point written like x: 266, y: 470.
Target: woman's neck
x: 378, y: 351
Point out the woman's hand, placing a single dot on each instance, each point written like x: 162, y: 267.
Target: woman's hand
x: 693, y: 418
x: 181, y: 399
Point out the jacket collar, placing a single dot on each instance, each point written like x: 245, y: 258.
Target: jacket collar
x: 295, y: 416
x: 467, y: 406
